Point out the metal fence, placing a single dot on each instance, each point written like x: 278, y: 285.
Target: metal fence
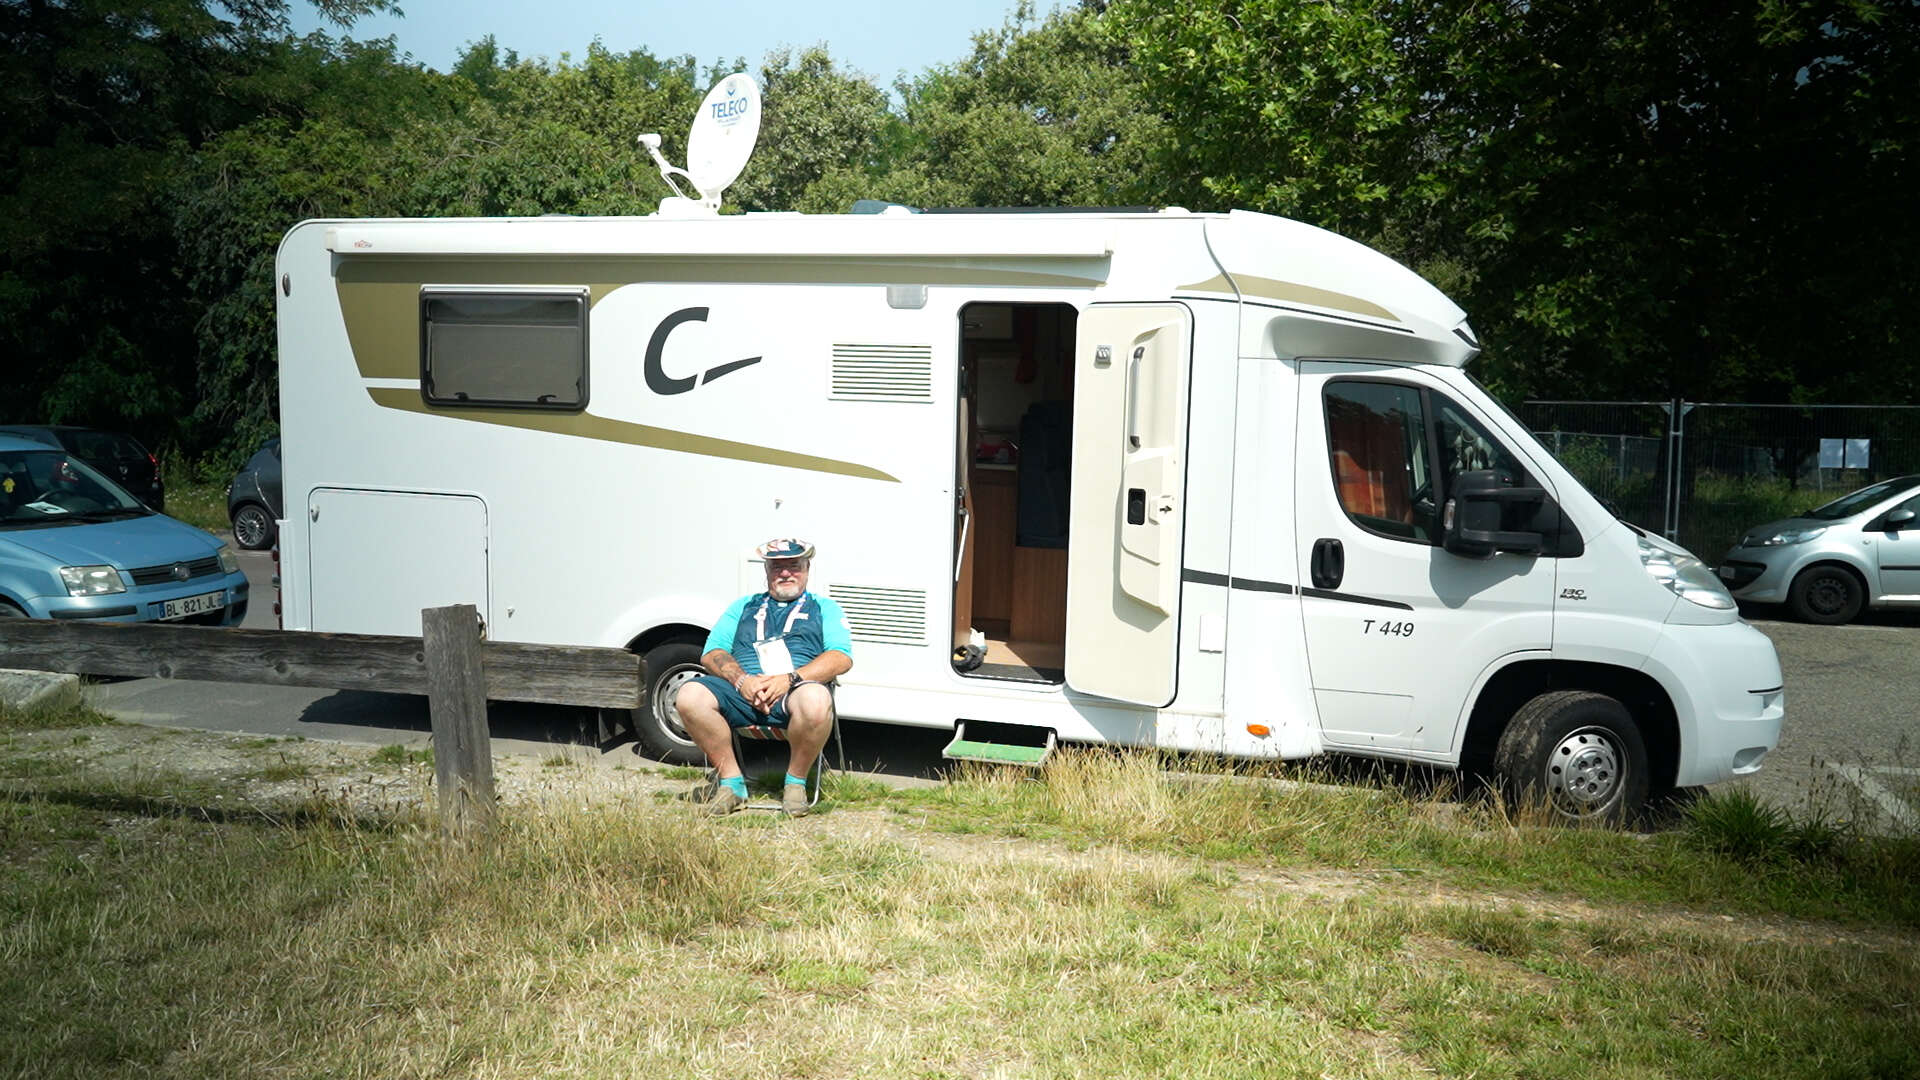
x: 1702, y: 473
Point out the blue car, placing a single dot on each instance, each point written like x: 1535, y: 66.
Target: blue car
x: 76, y: 545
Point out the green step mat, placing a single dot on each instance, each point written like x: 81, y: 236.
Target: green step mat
x: 965, y: 749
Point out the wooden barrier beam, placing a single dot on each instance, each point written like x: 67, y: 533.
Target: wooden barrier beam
x: 555, y: 674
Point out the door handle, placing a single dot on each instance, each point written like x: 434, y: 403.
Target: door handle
x: 1329, y: 563
x: 1133, y: 397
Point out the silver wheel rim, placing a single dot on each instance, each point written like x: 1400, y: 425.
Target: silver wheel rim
x: 663, y: 711
x: 250, y: 527
x: 1585, y: 772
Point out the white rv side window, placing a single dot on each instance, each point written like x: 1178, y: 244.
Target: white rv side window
x: 519, y: 348
x: 1377, y: 441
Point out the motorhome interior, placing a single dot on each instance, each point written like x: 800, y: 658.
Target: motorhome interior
x: 1014, y: 462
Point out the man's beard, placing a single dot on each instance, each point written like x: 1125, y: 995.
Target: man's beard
x: 786, y: 590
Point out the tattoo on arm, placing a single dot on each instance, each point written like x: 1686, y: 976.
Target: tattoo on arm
x: 722, y: 663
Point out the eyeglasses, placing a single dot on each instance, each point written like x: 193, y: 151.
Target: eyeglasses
x: 785, y: 570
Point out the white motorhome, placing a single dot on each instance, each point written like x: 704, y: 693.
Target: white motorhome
x: 1209, y: 482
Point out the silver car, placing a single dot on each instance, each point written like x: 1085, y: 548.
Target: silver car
x: 1860, y: 550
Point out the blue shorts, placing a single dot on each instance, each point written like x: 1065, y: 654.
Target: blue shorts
x: 739, y: 712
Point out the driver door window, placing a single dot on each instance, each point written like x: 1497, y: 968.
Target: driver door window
x: 1383, y: 440
x: 1377, y: 444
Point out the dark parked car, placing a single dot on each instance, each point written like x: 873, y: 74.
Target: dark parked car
x: 121, y: 457
x: 253, y: 498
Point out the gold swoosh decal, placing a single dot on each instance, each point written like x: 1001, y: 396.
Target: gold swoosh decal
x: 588, y: 426
x: 1290, y: 292
x: 380, y: 298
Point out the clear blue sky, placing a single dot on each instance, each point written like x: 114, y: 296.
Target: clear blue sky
x: 879, y: 40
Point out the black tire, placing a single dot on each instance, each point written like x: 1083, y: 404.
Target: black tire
x: 1827, y: 595
x: 8, y: 611
x: 655, y: 725
x: 253, y: 527
x: 1578, y: 753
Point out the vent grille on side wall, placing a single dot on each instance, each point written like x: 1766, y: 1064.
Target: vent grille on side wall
x: 884, y: 616
x: 882, y: 373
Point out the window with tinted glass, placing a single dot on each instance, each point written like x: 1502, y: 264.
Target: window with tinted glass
x: 1385, y: 438
x: 1377, y: 444
x: 523, y: 348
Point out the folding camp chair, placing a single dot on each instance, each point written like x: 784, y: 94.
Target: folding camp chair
x: 815, y: 775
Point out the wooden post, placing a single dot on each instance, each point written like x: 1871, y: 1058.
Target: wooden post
x: 457, y: 700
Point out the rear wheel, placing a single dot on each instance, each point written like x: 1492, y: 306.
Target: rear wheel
x: 666, y: 668
x: 1828, y: 595
x: 1577, y: 752
x: 253, y: 527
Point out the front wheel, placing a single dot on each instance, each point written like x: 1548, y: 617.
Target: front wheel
x: 666, y: 668
x: 253, y: 527
x: 1579, y: 753
x: 1827, y: 595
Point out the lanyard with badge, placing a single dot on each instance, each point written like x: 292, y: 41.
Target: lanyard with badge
x: 773, y: 654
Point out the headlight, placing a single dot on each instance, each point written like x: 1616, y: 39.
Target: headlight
x: 229, y: 562
x: 1688, y: 577
x: 1784, y: 536
x: 91, y: 580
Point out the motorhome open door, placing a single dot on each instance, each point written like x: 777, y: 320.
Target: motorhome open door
x: 1131, y: 365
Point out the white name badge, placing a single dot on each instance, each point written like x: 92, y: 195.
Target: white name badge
x: 774, y: 657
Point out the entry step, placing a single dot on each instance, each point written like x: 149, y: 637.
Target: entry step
x: 963, y: 748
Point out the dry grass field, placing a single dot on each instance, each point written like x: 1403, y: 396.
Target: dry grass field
x: 194, y: 905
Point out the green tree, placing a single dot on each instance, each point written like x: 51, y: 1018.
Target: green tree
x: 343, y: 153
x: 1638, y: 198
x: 817, y: 120
x: 101, y: 103
x: 1042, y: 113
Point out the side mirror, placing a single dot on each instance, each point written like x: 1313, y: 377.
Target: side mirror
x: 1472, y: 521
x: 1898, y: 520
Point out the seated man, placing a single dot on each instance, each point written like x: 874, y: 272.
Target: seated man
x: 772, y: 655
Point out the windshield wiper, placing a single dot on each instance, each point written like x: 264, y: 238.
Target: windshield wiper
x: 111, y: 513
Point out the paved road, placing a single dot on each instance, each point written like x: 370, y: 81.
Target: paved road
x: 1853, y: 712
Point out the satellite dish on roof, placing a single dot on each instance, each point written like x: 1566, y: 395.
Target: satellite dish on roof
x: 718, y: 146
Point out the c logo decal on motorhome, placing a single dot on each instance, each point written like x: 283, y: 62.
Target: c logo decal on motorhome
x: 658, y: 380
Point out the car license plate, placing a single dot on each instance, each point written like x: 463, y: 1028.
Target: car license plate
x: 1727, y: 572
x: 187, y: 606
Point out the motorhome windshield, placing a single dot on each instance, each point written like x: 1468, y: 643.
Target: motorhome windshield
x: 41, y: 488
x: 1849, y: 505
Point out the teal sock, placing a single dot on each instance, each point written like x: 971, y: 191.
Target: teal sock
x: 792, y: 779
x: 735, y: 784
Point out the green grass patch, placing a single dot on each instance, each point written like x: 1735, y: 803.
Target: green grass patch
x: 1283, y: 817
x: 195, y: 494
x: 397, y: 754
x: 35, y: 767
x: 63, y: 711
x: 282, y: 771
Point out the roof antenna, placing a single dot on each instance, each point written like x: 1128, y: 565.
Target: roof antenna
x: 718, y: 146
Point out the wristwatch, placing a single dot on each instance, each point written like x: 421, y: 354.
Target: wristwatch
x: 793, y: 680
